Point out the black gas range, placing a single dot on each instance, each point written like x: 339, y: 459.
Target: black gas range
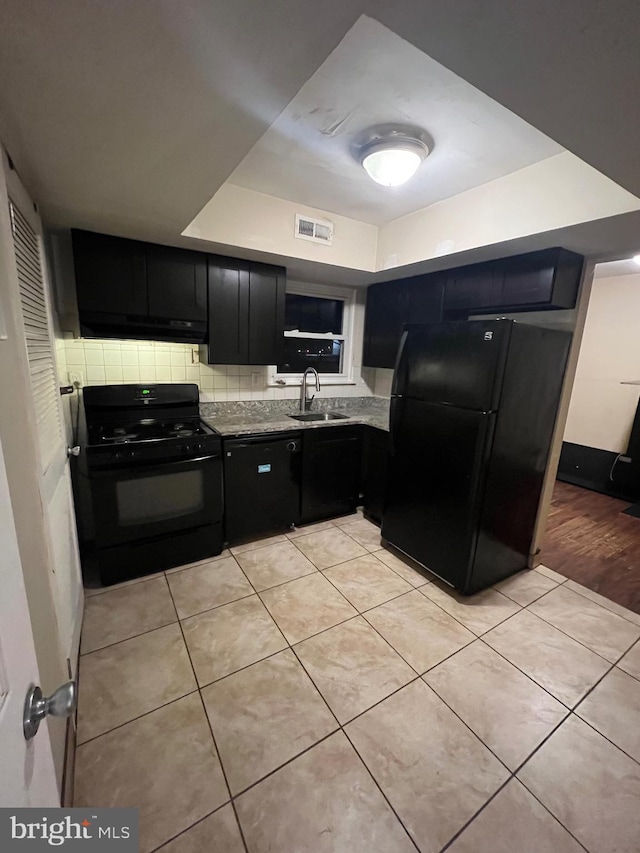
x: 154, y: 479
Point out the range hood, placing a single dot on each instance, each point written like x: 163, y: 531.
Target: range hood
x: 102, y: 325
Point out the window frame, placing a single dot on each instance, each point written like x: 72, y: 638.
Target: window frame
x: 323, y: 291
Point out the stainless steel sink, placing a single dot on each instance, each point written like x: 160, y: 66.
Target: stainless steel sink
x: 318, y: 416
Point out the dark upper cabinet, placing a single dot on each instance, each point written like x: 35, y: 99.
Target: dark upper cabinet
x: 479, y: 285
x: 128, y: 289
x: 177, y: 283
x: 537, y: 281
x: 424, y: 298
x: 110, y: 274
x: 228, y: 312
x: 386, y: 313
x: 246, y: 312
x: 541, y: 280
x: 267, y: 286
x: 392, y: 304
x: 331, y: 460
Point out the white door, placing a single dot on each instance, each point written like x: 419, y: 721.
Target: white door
x: 27, y: 772
x: 55, y: 483
x: 37, y: 467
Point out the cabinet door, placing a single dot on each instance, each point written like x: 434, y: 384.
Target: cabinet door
x: 387, y: 311
x: 375, y: 453
x: 228, y: 312
x: 330, y: 471
x: 476, y: 287
x: 177, y: 283
x: 267, y: 287
x: 110, y: 274
x: 425, y: 294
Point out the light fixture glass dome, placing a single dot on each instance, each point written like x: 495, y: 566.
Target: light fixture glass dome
x: 392, y: 161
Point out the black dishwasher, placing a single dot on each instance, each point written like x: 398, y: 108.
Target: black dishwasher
x: 261, y: 484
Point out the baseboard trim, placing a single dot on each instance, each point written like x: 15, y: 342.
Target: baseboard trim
x: 590, y: 467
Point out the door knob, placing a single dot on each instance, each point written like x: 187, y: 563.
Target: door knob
x: 73, y: 451
x: 61, y: 703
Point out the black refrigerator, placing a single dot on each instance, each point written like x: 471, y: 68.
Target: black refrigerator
x: 473, y: 408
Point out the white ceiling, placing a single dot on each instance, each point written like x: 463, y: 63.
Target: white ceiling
x: 127, y: 117
x: 374, y: 77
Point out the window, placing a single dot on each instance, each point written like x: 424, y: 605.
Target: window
x: 318, y: 331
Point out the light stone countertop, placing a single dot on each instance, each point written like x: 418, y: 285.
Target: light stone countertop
x: 253, y: 422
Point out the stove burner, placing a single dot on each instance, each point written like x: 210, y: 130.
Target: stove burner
x: 120, y: 437
x: 181, y: 433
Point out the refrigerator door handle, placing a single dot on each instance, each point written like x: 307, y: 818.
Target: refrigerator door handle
x: 393, y: 415
x: 396, y: 386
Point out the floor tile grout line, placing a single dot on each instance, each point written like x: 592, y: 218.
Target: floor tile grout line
x: 537, y: 798
x: 584, y: 645
x: 420, y: 674
x: 126, y: 639
x: 216, y: 607
x: 579, y: 642
x: 501, y: 622
x: 242, y: 668
x: 177, y: 570
x: 79, y: 745
x: 91, y: 592
x: 379, y: 787
x: 513, y: 776
x: 191, y: 826
x: 615, y: 613
x: 526, y: 674
x: 215, y: 745
x: 224, y: 772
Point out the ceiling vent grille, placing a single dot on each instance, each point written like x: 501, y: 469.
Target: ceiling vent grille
x: 315, y: 230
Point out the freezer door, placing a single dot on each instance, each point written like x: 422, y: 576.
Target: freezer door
x: 437, y: 473
x: 456, y: 364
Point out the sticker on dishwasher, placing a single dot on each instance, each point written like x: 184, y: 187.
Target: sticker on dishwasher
x: 264, y: 469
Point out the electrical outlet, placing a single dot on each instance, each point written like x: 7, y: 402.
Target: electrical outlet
x: 195, y: 356
x: 76, y: 378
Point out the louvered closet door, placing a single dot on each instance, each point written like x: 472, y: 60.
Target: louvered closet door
x: 38, y: 337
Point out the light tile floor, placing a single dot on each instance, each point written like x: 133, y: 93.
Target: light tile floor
x: 315, y: 692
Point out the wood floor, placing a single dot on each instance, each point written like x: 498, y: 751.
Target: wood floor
x: 591, y: 541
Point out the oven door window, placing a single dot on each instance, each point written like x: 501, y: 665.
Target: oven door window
x: 149, y: 500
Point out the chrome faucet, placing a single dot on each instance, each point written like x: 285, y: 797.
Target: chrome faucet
x: 303, y: 388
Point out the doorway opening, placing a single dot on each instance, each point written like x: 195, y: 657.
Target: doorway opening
x: 593, y: 528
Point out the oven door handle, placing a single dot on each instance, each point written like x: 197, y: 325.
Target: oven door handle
x: 142, y: 468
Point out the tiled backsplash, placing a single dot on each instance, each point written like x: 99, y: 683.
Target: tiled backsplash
x: 106, y: 362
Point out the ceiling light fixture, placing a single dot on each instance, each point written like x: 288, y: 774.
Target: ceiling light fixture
x: 636, y: 258
x: 392, y: 155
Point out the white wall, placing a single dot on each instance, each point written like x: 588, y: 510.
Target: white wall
x: 236, y: 216
x: 601, y: 411
x: 556, y: 192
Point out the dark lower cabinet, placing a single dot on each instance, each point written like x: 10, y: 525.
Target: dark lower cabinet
x: 375, y: 454
x: 246, y: 312
x: 330, y: 472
